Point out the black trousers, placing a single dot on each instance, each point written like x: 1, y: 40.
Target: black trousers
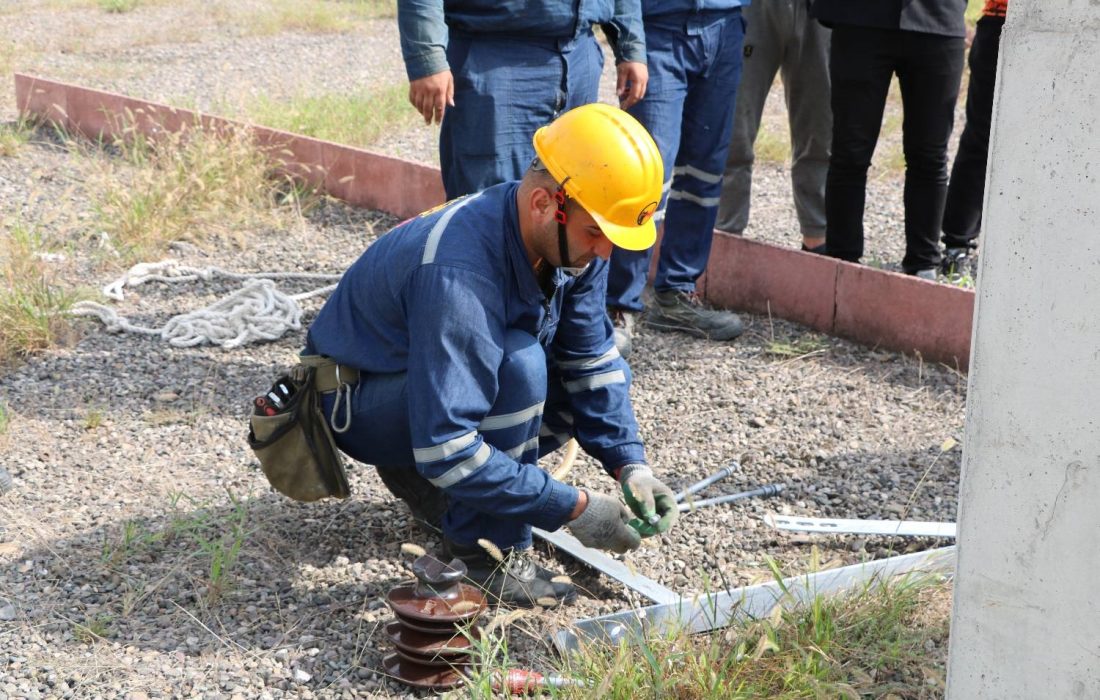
x: 962, y: 218
x: 862, y: 61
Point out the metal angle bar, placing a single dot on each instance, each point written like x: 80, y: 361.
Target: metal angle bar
x: 609, y: 566
x: 908, y: 528
x: 702, y: 614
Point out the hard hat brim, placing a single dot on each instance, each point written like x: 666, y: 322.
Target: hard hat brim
x: 628, y: 237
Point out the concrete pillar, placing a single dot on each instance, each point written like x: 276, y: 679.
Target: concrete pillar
x: 1026, y: 620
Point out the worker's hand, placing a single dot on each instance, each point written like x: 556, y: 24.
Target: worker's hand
x: 631, y: 82
x: 649, y: 499
x: 432, y: 94
x: 603, y: 525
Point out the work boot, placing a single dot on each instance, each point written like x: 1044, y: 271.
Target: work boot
x: 427, y: 502
x: 927, y: 274
x: 516, y: 581
x: 622, y: 324
x: 957, y: 262
x: 675, y: 310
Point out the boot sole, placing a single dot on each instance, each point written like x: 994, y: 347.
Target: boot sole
x: 672, y: 327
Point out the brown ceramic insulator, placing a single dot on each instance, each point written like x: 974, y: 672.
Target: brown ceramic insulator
x: 438, y: 629
x: 457, y: 661
x: 410, y: 604
x: 421, y: 676
x: 434, y: 615
x: 419, y: 642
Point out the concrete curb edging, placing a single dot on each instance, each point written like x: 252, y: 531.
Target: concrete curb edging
x: 871, y: 306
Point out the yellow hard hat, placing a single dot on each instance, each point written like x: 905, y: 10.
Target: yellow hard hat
x: 606, y: 160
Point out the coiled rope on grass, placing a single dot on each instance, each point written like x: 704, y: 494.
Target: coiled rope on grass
x: 256, y: 312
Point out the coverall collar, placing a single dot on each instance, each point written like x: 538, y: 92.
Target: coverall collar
x: 528, y: 282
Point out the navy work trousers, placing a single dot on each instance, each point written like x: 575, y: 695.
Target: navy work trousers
x: 379, y: 432
x: 694, y: 68
x: 506, y: 87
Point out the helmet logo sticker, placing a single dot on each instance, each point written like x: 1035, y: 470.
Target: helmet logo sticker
x: 646, y: 212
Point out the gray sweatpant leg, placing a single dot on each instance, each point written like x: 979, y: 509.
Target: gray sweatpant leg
x: 782, y: 37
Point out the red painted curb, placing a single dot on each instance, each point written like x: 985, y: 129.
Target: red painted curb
x: 900, y: 312
x: 871, y: 306
x: 765, y: 278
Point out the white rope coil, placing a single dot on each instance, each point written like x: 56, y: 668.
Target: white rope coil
x: 256, y: 312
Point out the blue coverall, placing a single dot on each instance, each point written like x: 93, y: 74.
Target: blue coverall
x: 469, y: 373
x: 516, y: 65
x: 694, y: 56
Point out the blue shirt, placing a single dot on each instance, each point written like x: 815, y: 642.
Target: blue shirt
x: 423, y: 25
x: 434, y: 298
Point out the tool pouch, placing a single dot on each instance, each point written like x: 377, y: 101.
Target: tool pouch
x: 295, y: 445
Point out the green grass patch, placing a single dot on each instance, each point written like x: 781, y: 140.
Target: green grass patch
x: 314, y: 17
x: 797, y: 347
x: 356, y: 120
x: 875, y: 642
x: 974, y: 11
x: 33, y: 302
x: 117, y: 6
x: 194, y: 185
x: 773, y: 144
x: 13, y: 136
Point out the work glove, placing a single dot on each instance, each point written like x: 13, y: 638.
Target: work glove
x: 603, y: 525
x: 649, y: 499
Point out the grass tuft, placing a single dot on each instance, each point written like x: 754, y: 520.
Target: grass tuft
x: 13, y: 136
x: 33, y: 302
x: 773, y: 144
x: 118, y: 7
x: 871, y: 643
x: 356, y: 120
x: 194, y: 185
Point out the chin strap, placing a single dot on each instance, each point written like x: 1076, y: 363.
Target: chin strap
x: 559, y: 216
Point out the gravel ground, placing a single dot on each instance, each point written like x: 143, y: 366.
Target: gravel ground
x: 133, y: 480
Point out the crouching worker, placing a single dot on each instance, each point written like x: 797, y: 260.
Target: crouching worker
x: 473, y: 339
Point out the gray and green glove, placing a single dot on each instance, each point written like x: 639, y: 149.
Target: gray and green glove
x: 649, y: 499
x: 603, y: 525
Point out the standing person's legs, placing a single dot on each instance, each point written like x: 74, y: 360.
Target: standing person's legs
x: 704, y: 144
x: 660, y: 112
x: 505, y: 88
x: 714, y: 53
x: 962, y: 216
x: 765, y: 43
x: 861, y: 63
x: 929, y: 76
x: 806, y: 84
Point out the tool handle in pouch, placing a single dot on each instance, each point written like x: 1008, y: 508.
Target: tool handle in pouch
x: 295, y: 447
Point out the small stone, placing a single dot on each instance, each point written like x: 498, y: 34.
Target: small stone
x: 165, y: 396
x: 7, y: 612
x: 301, y: 676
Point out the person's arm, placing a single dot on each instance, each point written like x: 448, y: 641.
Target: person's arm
x: 597, y: 380
x: 626, y: 34
x: 596, y: 377
x: 456, y: 338
x: 424, y: 47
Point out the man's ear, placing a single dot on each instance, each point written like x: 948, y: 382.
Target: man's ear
x: 542, y: 203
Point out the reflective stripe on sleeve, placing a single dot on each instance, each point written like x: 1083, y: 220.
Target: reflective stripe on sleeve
x: 510, y: 420
x: 590, y: 362
x: 595, y: 381
x: 464, y: 468
x: 437, y: 231
x: 435, y: 453
x: 517, y: 451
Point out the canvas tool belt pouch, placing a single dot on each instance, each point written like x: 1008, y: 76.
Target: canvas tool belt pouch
x: 295, y: 445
